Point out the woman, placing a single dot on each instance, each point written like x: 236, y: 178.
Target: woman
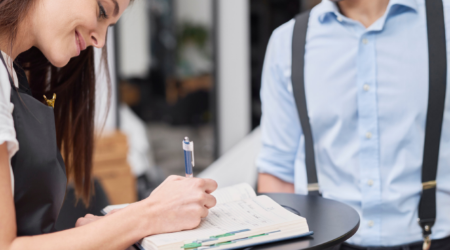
x: 50, y: 42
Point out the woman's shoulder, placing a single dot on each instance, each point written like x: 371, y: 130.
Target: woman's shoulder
x: 7, y: 130
x: 6, y: 107
x: 5, y: 83
x: 5, y: 86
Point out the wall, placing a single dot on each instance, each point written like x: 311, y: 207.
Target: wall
x: 233, y: 72
x: 105, y: 121
x: 195, y: 11
x: 134, y: 41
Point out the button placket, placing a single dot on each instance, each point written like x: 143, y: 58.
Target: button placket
x: 365, y: 41
x: 369, y: 140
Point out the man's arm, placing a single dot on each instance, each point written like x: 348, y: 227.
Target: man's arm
x: 270, y: 184
x: 280, y: 127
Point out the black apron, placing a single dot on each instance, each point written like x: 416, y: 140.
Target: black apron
x: 39, y: 170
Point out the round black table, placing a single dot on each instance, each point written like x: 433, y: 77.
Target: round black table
x: 332, y: 222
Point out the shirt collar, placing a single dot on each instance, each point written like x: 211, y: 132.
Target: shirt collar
x: 412, y: 4
x: 327, y: 7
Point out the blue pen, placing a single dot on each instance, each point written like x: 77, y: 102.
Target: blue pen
x: 188, y: 148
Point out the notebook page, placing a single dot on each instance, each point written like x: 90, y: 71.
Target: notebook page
x: 228, y: 217
x: 109, y: 208
x: 234, y: 193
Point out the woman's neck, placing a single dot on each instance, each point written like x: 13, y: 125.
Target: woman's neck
x: 23, y: 41
x: 365, y: 11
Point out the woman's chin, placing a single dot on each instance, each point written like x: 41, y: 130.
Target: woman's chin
x: 59, y: 61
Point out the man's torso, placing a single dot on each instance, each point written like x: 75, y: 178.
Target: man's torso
x: 367, y: 93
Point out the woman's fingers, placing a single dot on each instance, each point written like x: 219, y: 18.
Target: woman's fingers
x: 180, y: 203
x: 81, y: 222
x: 210, y: 201
x: 205, y: 212
x: 210, y: 185
x: 113, y: 211
x: 88, y: 218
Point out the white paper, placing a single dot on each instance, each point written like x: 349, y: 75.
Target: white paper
x: 233, y: 216
x: 234, y: 193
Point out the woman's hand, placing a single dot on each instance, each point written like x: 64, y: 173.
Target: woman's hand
x: 179, y: 203
x: 88, y: 218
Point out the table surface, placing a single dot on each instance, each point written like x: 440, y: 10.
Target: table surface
x: 332, y: 222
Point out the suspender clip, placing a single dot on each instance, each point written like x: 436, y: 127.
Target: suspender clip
x: 426, y: 242
x: 313, y: 187
x: 428, y: 185
x: 426, y: 225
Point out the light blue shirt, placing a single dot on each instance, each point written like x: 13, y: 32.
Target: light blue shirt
x: 367, y: 94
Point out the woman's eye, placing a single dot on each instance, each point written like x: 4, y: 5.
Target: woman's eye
x: 102, y: 13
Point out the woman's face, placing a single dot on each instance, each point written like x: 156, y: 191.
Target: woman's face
x: 63, y: 28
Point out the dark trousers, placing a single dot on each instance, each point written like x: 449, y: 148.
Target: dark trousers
x: 442, y: 244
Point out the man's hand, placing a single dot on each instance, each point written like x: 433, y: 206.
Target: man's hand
x: 179, y: 203
x: 270, y: 184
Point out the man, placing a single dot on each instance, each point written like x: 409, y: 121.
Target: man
x: 366, y: 84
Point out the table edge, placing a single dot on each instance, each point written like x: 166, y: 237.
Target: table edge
x: 336, y: 241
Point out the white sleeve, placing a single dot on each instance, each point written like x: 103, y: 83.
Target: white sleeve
x: 7, y: 131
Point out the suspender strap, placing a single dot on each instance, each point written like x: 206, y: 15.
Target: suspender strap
x: 298, y: 85
x: 437, y: 54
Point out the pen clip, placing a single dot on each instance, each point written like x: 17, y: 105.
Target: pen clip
x: 193, y: 162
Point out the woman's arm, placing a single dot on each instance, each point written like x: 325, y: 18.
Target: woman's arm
x: 177, y: 204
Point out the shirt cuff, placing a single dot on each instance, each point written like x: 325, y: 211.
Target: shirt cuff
x: 12, y: 145
x: 278, y: 164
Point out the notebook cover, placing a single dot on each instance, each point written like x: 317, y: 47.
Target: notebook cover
x: 275, y: 240
x: 139, y: 247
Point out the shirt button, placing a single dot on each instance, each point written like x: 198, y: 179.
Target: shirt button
x: 370, y: 182
x: 368, y: 135
x: 366, y: 87
x: 339, y: 18
x: 365, y: 41
x: 370, y: 223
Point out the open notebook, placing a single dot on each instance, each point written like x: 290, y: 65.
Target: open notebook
x: 239, y: 219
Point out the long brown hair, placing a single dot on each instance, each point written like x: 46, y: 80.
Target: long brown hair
x: 74, y: 85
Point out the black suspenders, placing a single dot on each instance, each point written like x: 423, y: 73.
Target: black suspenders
x: 298, y: 86
x: 437, y: 59
x: 437, y: 55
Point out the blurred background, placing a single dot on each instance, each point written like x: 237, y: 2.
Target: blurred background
x: 180, y: 68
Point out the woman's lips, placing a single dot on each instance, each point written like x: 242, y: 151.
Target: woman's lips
x: 81, y: 44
